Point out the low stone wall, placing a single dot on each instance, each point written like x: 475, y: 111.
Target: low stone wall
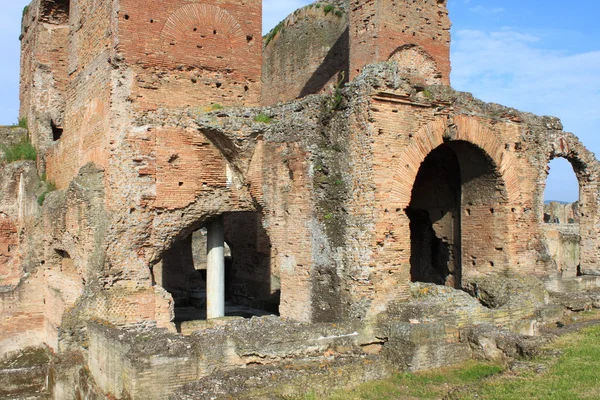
x: 434, y: 329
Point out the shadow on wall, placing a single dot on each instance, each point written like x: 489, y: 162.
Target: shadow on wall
x: 336, y: 63
x: 456, y: 209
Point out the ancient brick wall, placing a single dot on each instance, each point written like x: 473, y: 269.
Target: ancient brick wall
x: 192, y: 54
x: 86, y: 124
x: 503, y: 168
x: 415, y: 35
x: 308, y: 55
x: 44, y: 75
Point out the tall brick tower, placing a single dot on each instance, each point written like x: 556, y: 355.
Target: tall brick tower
x: 91, y: 67
x: 414, y: 33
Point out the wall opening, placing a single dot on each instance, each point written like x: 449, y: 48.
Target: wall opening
x: 456, y: 213
x: 55, y: 11
x: 251, y: 287
x: 561, y: 217
x: 57, y: 131
x: 561, y: 196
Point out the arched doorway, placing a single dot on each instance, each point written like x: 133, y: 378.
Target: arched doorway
x: 562, y: 216
x: 249, y: 285
x: 457, y: 215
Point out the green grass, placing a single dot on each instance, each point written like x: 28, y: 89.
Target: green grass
x: 572, y: 375
x: 264, y: 118
x: 22, y: 150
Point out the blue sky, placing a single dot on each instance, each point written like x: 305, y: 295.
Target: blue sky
x: 537, y: 56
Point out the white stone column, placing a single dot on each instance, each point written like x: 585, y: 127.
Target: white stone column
x: 215, y: 269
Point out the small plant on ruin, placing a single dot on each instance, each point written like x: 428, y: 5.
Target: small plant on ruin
x: 22, y: 123
x: 337, y: 98
x: 50, y: 187
x: 269, y: 36
x: 328, y: 8
x: 264, y: 118
x: 22, y: 150
x: 216, y: 106
x: 427, y: 93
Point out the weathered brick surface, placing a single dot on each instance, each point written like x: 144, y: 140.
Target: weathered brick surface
x: 338, y: 202
x: 382, y: 29
x: 308, y: 55
x: 192, y: 54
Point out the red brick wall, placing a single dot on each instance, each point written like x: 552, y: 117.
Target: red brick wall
x: 380, y: 27
x: 192, y: 54
x: 44, y: 78
x: 86, y: 127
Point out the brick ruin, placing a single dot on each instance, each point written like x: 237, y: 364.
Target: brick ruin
x: 371, y: 218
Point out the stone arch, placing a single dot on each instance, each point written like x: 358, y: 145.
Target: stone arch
x: 586, y: 168
x: 414, y: 61
x: 443, y: 129
x: 478, y: 250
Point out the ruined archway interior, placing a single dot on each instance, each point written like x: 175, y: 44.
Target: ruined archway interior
x: 456, y: 206
x: 251, y: 286
x: 562, y: 214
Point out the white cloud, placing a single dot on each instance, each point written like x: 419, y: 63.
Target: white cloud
x: 513, y: 68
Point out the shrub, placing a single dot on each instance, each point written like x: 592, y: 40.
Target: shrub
x: 328, y: 8
x: 22, y: 123
x: 22, y: 150
x: 264, y: 118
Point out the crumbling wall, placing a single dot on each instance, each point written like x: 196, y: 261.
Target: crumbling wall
x: 306, y: 53
x: 86, y: 123
x: 558, y: 213
x: 21, y: 280
x: 44, y: 71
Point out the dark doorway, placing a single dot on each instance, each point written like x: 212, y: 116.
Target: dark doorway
x: 251, y: 287
x: 457, y: 215
x: 434, y: 214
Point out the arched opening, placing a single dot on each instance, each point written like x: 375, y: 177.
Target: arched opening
x: 561, y: 196
x: 250, y: 286
x: 457, y: 215
x: 562, y: 215
x: 414, y: 61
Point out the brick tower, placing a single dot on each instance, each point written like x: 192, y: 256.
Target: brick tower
x: 91, y: 67
x: 414, y: 33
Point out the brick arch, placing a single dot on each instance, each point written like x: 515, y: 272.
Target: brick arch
x: 197, y: 29
x: 434, y: 134
x: 415, y: 61
x: 587, y: 170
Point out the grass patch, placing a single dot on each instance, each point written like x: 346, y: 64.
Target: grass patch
x: 22, y: 150
x: 264, y: 118
x: 269, y: 36
x: 216, y: 106
x: 572, y: 375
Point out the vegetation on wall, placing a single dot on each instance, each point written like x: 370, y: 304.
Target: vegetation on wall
x: 327, y: 8
x: 22, y: 150
x: 49, y: 188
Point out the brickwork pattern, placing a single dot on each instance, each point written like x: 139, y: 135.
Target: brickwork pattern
x: 379, y: 28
